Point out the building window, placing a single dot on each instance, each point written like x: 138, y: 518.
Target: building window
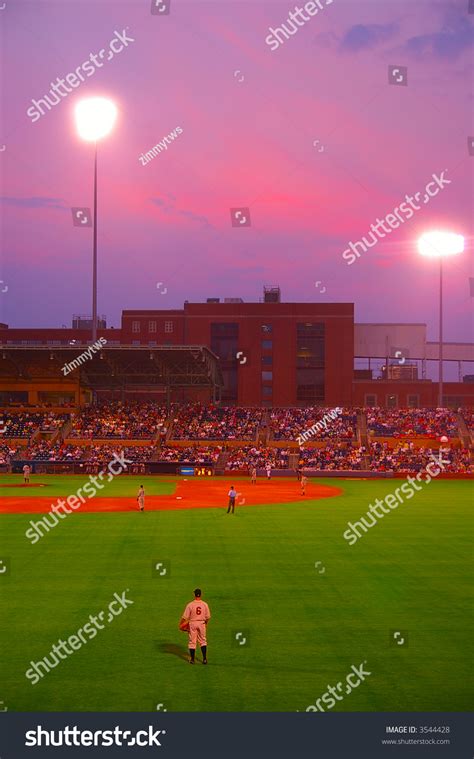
x: 267, y: 345
x: 267, y: 328
x: 152, y: 343
x: 455, y: 401
x: 267, y: 376
x: 136, y: 342
x: 267, y: 360
x: 151, y: 326
x: 136, y: 326
x: 168, y: 327
x: 392, y: 401
x: 310, y: 362
x: 224, y: 343
x: 413, y: 401
x: 370, y: 401
x: 266, y: 391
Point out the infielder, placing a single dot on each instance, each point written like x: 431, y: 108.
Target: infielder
x: 141, y: 498
x: 26, y: 474
x: 253, y: 475
x: 197, y: 614
x: 303, y: 482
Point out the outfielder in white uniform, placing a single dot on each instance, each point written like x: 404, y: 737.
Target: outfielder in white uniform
x: 197, y: 614
x: 141, y: 498
x: 26, y: 474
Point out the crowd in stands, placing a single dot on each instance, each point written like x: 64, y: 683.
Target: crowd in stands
x: 24, y: 424
x: 117, y: 420
x: 98, y: 457
x: 44, y: 451
x: 195, y: 421
x: 406, y: 457
x: 333, y: 456
x: 411, y: 422
x: 7, y: 453
x: 200, y: 454
x: 92, y: 454
x: 250, y: 456
x: 468, y: 416
x: 289, y: 423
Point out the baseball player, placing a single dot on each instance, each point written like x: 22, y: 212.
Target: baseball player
x: 253, y: 475
x: 232, y: 496
x: 197, y: 614
x: 303, y: 483
x: 141, y: 498
x: 268, y: 470
x: 26, y: 474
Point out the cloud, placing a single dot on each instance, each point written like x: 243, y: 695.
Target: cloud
x: 35, y: 202
x: 168, y: 207
x: 366, y: 36
x: 455, y: 36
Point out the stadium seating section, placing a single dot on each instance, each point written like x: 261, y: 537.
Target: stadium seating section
x: 238, y: 439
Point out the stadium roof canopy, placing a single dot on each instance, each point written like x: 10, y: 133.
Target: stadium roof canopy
x: 115, y: 368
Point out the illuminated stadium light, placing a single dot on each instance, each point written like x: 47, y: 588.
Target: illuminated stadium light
x: 95, y: 118
x: 438, y: 244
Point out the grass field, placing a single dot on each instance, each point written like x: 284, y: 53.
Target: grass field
x: 304, y: 628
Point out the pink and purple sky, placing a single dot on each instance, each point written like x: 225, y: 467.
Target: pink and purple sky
x: 250, y: 118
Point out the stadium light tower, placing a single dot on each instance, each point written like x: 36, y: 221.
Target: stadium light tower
x: 95, y: 118
x: 439, y: 244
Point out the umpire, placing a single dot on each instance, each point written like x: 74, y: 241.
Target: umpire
x: 232, y: 495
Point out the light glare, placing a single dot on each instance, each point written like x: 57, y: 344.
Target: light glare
x: 95, y: 118
x: 438, y: 244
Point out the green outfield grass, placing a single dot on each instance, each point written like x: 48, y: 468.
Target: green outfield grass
x: 305, y: 629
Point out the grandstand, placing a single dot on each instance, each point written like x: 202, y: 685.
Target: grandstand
x: 227, y: 438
